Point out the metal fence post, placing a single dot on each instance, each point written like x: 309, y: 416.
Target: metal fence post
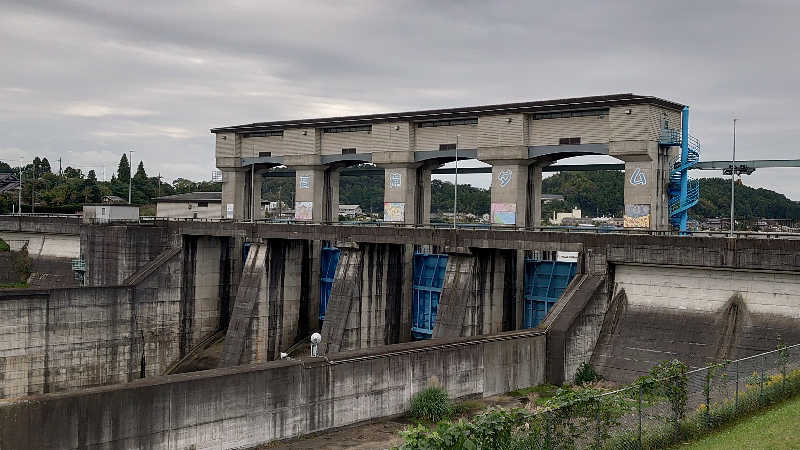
x: 784, y: 359
x: 639, y: 410
x: 597, y: 421
x: 761, y: 380
x: 547, y: 430
x: 708, y: 398
x: 736, y: 399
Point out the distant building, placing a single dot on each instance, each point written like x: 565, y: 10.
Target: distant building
x: 113, y: 199
x: 548, y: 198
x: 559, y: 218
x: 9, y: 182
x: 105, y: 213
x: 350, y: 210
x: 192, y: 205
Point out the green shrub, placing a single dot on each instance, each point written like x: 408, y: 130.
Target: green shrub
x: 4, y: 246
x: 431, y: 404
x: 586, y: 374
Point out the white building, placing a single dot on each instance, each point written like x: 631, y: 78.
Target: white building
x: 350, y: 210
x: 192, y: 205
x: 558, y: 218
x: 106, y: 212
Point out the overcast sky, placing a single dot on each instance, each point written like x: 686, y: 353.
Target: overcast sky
x: 88, y: 80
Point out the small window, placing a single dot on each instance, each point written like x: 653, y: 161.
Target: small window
x: 447, y: 123
x: 264, y: 154
x: 367, y: 128
x: 263, y: 134
x: 348, y: 151
x: 569, y: 141
x: 447, y: 146
x: 202, y: 204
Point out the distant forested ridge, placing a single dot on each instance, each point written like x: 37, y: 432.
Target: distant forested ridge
x: 67, y: 191
x: 596, y: 193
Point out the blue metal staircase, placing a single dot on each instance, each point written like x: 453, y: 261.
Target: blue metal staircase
x: 683, y: 191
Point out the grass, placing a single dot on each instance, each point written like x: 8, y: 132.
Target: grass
x: 21, y: 284
x: 772, y: 429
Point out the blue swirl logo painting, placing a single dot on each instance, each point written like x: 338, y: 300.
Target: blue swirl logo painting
x: 504, y: 177
x: 638, y: 177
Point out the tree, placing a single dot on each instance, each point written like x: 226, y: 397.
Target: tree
x: 45, y: 168
x: 124, y: 169
x: 91, y: 177
x: 69, y: 172
x: 4, y: 166
x: 140, y: 174
x: 37, y: 167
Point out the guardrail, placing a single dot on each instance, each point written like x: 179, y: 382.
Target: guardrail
x: 439, y: 226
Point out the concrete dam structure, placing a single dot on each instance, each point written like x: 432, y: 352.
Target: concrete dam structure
x: 96, y: 365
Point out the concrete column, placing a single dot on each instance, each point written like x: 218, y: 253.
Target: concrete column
x: 407, y: 293
x: 510, y: 192
x: 646, y: 179
x: 316, y: 194
x: 234, y: 195
x: 533, y: 218
x: 258, y: 183
x: 407, y: 193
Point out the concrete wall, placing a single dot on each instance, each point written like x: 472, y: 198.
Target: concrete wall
x: 115, y: 252
x: 65, y: 339
x: 51, y: 256
x: 429, y: 138
x: 700, y: 316
x: 247, y: 406
x: 366, y: 300
x: 41, y: 224
x: 591, y: 130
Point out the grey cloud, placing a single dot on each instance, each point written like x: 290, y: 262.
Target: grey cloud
x: 155, y: 76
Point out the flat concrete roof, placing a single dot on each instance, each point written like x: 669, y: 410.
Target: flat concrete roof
x: 191, y: 197
x: 602, y: 101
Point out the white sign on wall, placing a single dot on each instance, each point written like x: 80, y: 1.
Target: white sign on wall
x: 304, y: 182
x: 229, y: 211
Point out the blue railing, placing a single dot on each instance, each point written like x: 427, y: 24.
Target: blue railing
x: 427, y: 285
x: 683, y: 192
x: 544, y: 283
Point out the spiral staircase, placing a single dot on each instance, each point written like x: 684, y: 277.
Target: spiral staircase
x: 681, y: 196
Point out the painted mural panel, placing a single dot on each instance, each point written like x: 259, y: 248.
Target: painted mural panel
x: 637, y: 216
x: 394, y: 212
x: 504, y: 213
x: 303, y: 210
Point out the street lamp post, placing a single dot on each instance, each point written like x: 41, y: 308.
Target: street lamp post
x: 130, y: 174
x: 19, y: 210
x: 733, y: 172
x: 455, y: 188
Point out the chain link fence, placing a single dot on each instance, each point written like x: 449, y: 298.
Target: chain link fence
x: 654, y: 412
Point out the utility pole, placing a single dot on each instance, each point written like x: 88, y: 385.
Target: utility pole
x: 130, y: 174
x: 59, y: 166
x: 19, y: 210
x: 280, y: 202
x: 158, y: 191
x: 455, y: 187
x: 33, y: 186
x: 733, y: 172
